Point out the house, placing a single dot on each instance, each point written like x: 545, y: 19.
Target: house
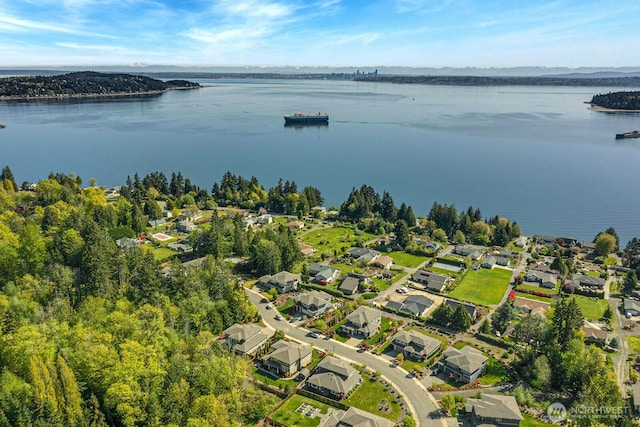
x: 542, y: 267
x: 521, y: 241
x: 543, y: 278
x: 492, y: 261
x: 352, y: 283
x: 323, y: 274
x: 190, y: 215
x: 364, y: 255
x: 306, y: 250
x: 636, y: 397
x: 264, y: 219
x: 262, y: 210
x: 126, y: 242
x: 588, y: 282
x: 181, y: 246
x: 383, y: 261
x: 166, y: 213
x: 550, y: 241
x: 156, y: 222
x: 245, y: 339
x: 469, y: 251
x: 297, y: 225
x: 185, y: 226
x: 287, y: 358
x: 313, y: 303
x: 472, y: 310
x: 363, y: 322
x: 530, y: 306
x: 464, y: 365
x: 493, y: 410
x: 416, y: 305
x: 594, y: 335
x: 334, y: 378
x: 415, y: 345
x: 429, y: 245
x: 631, y: 307
x: 354, y: 417
x: 283, y: 281
x: 431, y: 281
x: 588, y: 246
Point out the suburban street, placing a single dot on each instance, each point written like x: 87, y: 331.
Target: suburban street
x: 420, y: 402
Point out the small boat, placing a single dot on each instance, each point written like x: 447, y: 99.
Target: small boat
x: 300, y: 118
x: 2, y: 126
x: 632, y: 134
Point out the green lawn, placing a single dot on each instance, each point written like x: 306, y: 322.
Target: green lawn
x: 161, y: 253
x: 409, y: 365
x: 592, y: 308
x: 287, y: 414
x: 385, y: 326
x: 529, y: 421
x: 634, y: 344
x: 494, y: 373
x: 370, y: 394
x: 270, y: 380
x: 407, y: 260
x: 334, y: 238
x: 484, y: 287
x: 538, y: 288
x: 287, y: 308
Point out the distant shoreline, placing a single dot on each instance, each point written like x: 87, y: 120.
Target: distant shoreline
x: 596, y: 107
x: 94, y: 95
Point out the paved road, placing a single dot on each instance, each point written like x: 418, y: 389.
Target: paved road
x: 620, y: 359
x: 420, y: 402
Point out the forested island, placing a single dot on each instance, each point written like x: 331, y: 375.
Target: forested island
x: 506, y: 81
x: 85, y: 84
x: 622, y: 101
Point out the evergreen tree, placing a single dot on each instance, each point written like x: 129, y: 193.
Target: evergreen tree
x: 566, y: 322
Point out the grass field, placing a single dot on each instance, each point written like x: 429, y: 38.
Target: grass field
x: 161, y: 253
x: 592, y: 308
x: 529, y: 421
x: 369, y: 395
x: 634, y: 344
x: 407, y: 260
x: 484, y: 287
x: 287, y: 414
x: 538, y: 288
x: 335, y: 238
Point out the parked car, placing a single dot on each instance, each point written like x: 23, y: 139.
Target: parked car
x: 278, y: 317
x: 294, y: 319
x: 269, y: 306
x: 314, y: 334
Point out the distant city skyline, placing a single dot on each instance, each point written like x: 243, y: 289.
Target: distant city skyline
x: 339, y: 33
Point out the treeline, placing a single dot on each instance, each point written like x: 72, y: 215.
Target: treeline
x: 84, y: 83
x: 618, y: 100
x: 506, y: 81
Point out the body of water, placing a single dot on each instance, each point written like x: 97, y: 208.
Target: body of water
x: 536, y: 155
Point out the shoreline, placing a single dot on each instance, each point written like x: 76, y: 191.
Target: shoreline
x: 94, y: 95
x: 597, y: 107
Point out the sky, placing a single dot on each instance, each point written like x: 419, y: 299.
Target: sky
x: 412, y: 33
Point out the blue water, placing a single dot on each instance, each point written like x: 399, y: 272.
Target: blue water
x: 536, y: 155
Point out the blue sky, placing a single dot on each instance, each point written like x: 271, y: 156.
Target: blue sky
x: 417, y: 33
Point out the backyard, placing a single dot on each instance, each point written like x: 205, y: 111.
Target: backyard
x: 372, y: 396
x: 483, y: 287
x: 407, y: 260
x: 294, y: 412
x: 592, y: 308
x: 335, y: 239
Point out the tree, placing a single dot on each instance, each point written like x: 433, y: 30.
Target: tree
x: 32, y: 250
x: 443, y: 315
x: 460, y: 237
x: 630, y: 282
x: 503, y: 316
x: 605, y: 243
x: 402, y: 234
x: 265, y: 256
x: 566, y: 322
x: 388, y: 209
x: 542, y: 372
x: 448, y: 403
x: 7, y: 180
x: 460, y: 319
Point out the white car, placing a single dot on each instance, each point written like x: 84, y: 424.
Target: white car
x: 269, y: 307
x: 278, y: 317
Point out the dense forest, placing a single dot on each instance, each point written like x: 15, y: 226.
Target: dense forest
x: 618, y: 100
x: 85, y: 83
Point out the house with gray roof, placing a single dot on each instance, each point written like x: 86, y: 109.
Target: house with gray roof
x: 584, y: 281
x: 544, y: 279
x: 245, y: 339
x: 354, y: 417
x: 313, y: 303
x: 326, y: 276
x: 416, y: 305
x: 632, y: 307
x: 284, y: 281
x: 431, y: 281
x: 364, y: 255
x: 472, y: 310
x: 492, y: 260
x: 470, y: 251
x: 352, y: 283
x: 334, y: 378
x: 494, y: 410
x: 415, y: 345
x: 363, y: 322
x: 464, y: 365
x: 287, y: 358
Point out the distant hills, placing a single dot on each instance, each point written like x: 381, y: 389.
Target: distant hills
x: 86, y: 83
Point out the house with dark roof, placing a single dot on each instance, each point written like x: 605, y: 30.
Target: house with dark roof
x: 363, y: 322
x: 326, y: 275
x: 354, y: 417
x: 492, y: 260
x: 469, y: 251
x: 416, y: 305
x: 472, y: 310
x: 284, y: 281
x: 287, y: 358
x: 431, y: 281
x: 464, y: 365
x: 584, y: 281
x: 245, y: 339
x: 415, y: 345
x: 631, y: 307
x: 352, y: 283
x: 334, y: 378
x: 544, y: 279
x: 493, y: 410
x: 364, y: 255
x: 313, y: 303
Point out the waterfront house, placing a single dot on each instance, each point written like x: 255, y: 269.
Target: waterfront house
x: 287, y: 358
x: 334, y: 378
x: 245, y: 339
x: 313, y: 303
x: 415, y: 345
x: 364, y: 322
x: 432, y: 281
x: 493, y: 410
x: 464, y: 365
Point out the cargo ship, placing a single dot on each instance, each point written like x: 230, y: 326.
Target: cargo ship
x: 632, y: 134
x: 300, y: 118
